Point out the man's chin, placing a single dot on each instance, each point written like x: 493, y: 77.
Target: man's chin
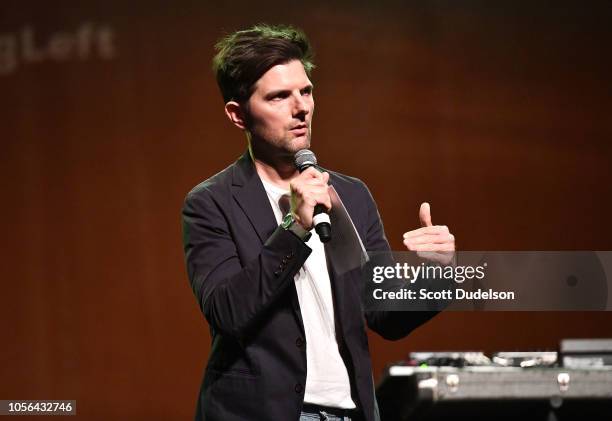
x: 299, y: 143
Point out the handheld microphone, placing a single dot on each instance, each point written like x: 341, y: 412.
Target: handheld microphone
x: 305, y: 158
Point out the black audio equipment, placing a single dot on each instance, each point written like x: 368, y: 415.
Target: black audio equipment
x: 492, y: 392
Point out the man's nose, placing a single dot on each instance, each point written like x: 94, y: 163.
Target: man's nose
x: 301, y: 105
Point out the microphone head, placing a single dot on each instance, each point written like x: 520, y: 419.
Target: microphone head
x: 305, y: 158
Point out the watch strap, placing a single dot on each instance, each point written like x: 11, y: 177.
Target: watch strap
x: 290, y: 224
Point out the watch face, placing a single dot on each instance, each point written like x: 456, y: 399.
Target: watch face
x: 287, y: 220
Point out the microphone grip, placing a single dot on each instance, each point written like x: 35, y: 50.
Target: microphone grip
x: 322, y: 223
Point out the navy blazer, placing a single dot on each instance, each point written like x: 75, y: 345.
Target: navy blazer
x: 241, y: 266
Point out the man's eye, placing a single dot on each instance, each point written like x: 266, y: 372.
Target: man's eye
x: 279, y: 97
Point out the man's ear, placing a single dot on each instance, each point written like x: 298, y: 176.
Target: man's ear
x: 236, y: 114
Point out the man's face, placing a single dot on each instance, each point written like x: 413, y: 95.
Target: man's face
x: 281, y: 107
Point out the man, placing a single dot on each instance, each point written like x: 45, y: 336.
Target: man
x: 288, y: 332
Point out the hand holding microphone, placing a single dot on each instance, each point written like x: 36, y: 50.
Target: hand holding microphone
x: 310, y: 200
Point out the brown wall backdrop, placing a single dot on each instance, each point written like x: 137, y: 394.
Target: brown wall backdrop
x: 497, y: 113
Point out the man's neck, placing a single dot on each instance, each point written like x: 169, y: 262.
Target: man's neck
x: 273, y: 174
x: 276, y: 171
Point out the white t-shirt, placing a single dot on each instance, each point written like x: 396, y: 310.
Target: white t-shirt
x: 327, y: 380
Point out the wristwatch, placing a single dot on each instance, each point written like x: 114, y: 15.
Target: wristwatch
x: 290, y: 224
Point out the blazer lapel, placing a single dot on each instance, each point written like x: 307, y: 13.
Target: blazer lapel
x: 341, y: 283
x: 251, y: 196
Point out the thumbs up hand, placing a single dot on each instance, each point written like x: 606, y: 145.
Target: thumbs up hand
x: 431, y: 242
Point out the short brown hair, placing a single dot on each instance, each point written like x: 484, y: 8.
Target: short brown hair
x: 244, y: 56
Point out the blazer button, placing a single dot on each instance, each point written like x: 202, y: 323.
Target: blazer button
x: 299, y: 388
x: 299, y: 342
x: 276, y: 273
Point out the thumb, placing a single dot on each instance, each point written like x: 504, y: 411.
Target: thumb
x: 425, y: 215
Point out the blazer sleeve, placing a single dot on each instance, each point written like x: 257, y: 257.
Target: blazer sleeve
x: 233, y: 296
x: 391, y: 325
